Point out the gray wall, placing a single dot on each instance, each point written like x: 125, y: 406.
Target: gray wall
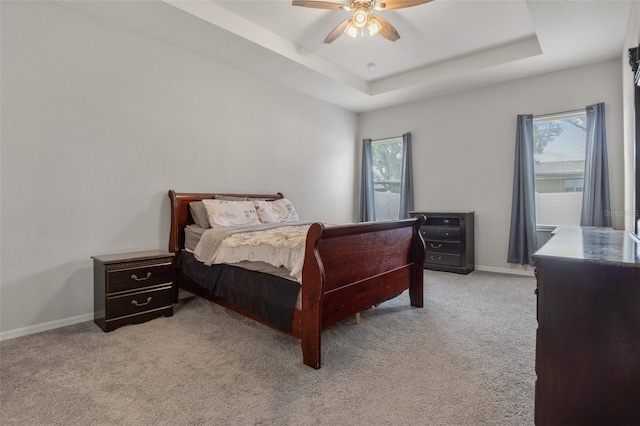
x: 464, y: 144
x: 99, y: 122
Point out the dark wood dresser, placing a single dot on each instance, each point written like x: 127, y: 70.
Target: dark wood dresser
x: 131, y: 288
x: 449, y: 241
x: 588, y: 337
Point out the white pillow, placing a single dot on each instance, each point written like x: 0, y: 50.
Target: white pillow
x: 223, y: 213
x: 276, y: 211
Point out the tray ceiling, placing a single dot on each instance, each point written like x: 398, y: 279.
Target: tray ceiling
x: 445, y: 45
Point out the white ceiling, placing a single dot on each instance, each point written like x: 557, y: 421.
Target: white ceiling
x: 445, y: 45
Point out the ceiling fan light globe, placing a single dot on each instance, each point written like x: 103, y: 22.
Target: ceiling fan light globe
x: 373, y: 26
x: 360, y: 17
x: 351, y: 30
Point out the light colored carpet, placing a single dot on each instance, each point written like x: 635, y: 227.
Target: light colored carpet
x: 466, y: 358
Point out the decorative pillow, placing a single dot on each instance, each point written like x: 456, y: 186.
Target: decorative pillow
x: 199, y: 214
x: 276, y: 211
x: 223, y: 213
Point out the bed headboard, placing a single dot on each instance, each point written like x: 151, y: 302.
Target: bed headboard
x: 181, y: 215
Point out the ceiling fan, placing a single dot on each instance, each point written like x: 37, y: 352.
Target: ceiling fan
x: 362, y: 16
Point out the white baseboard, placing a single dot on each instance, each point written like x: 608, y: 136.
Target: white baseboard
x: 524, y: 272
x: 25, y: 331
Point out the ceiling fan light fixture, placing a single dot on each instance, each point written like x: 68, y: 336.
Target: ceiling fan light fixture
x: 373, y: 25
x: 360, y: 17
x: 351, y: 30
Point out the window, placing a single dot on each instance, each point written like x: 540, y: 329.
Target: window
x: 387, y: 158
x: 559, y: 154
x: 386, y: 183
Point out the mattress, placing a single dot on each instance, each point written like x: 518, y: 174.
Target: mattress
x: 193, y: 233
x: 272, y: 299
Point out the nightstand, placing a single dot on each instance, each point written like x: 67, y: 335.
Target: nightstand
x: 449, y: 241
x: 131, y: 288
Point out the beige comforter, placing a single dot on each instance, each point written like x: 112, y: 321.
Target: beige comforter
x: 280, y: 245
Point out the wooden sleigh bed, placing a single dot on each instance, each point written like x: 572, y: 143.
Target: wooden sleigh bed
x: 347, y: 268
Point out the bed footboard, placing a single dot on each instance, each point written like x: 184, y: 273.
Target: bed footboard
x: 349, y: 268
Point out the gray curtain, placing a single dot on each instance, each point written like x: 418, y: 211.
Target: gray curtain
x: 596, y: 205
x: 367, y: 209
x: 406, y: 192
x: 523, y: 237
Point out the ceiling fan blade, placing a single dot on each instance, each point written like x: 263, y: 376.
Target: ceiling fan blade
x: 337, y: 31
x: 320, y: 4
x: 397, y: 4
x: 386, y: 29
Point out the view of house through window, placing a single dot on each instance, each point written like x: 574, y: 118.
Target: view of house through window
x: 387, y: 177
x: 559, y: 153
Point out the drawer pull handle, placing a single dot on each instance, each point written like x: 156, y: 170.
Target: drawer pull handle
x: 135, y: 277
x: 435, y: 246
x: 434, y: 258
x: 135, y: 302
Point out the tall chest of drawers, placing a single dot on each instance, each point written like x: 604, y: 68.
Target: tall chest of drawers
x: 449, y: 241
x: 587, y: 359
x: 131, y: 288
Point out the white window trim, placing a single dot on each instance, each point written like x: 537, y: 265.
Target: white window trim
x: 558, y: 115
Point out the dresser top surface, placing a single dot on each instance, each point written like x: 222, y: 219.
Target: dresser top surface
x: 438, y: 213
x: 591, y: 244
x: 128, y: 257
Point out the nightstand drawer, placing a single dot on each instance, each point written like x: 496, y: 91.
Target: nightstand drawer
x: 443, y: 259
x: 145, y: 276
x: 440, y: 221
x: 449, y: 234
x: 432, y: 233
x: 442, y: 247
x: 139, y: 302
